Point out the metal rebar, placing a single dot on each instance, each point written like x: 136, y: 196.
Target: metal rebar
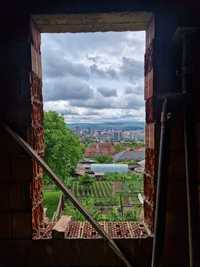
x: 26, y: 147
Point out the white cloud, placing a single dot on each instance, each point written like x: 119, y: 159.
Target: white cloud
x: 94, y: 76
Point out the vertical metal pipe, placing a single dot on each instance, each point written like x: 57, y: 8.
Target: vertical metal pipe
x: 158, y: 242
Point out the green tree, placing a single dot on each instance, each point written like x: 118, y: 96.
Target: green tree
x: 62, y: 147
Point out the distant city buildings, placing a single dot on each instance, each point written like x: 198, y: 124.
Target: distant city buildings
x: 109, y: 135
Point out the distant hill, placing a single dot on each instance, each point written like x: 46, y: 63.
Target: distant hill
x: 135, y: 125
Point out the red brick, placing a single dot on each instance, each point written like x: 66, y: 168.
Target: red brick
x: 150, y: 135
x: 36, y: 62
x: 37, y: 217
x: 149, y: 216
x: 35, y: 36
x: 150, y: 161
x: 150, y: 117
x: 149, y: 90
x: 37, y: 114
x: 36, y: 139
x: 36, y: 87
x: 114, y: 229
x: 149, y: 189
x: 37, y: 189
x: 149, y: 58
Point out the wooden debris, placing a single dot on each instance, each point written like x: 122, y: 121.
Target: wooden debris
x: 60, y: 229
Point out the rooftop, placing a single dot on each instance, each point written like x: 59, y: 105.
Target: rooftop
x: 137, y: 155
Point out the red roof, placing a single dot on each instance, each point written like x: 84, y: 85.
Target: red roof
x: 100, y: 149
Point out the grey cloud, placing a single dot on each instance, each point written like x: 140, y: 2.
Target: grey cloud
x: 128, y: 90
x: 134, y: 89
x: 68, y: 112
x: 135, y: 102
x: 107, y: 92
x: 66, y: 89
x: 96, y: 103
x: 112, y: 42
x: 108, y: 73
x: 91, y: 112
x: 74, y: 64
x: 132, y: 69
x: 57, y: 66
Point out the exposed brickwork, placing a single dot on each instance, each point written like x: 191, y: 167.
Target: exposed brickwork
x: 150, y: 162
x: 149, y: 190
x: 149, y: 215
x: 150, y: 128
x: 148, y: 93
x: 149, y: 60
x: 114, y: 229
x: 150, y: 136
x: 150, y: 110
x: 36, y: 132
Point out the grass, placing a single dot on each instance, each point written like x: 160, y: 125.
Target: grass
x: 51, y: 199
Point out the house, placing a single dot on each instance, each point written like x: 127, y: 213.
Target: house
x: 98, y: 149
x: 136, y: 155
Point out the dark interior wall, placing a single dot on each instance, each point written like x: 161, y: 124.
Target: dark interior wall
x: 16, y: 167
x: 21, y: 108
x: 176, y: 239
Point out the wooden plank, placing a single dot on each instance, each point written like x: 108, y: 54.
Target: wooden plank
x: 59, y: 209
x: 60, y: 228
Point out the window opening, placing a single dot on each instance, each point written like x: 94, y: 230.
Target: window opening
x: 93, y: 92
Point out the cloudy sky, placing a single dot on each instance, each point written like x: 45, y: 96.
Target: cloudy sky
x: 94, y: 77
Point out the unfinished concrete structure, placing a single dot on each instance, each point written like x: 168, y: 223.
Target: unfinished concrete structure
x: 21, y: 108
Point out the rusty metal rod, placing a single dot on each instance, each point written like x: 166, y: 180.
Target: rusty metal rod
x: 160, y: 213
x: 26, y: 147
